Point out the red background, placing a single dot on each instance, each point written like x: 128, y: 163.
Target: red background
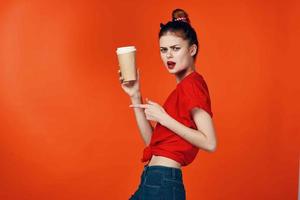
x: 66, y: 131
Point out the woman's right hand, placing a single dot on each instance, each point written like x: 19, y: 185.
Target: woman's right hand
x: 132, y: 88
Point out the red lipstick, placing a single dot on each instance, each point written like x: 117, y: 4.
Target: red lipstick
x: 171, y: 64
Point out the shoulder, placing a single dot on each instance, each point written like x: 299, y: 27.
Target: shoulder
x: 194, y: 94
x: 194, y: 84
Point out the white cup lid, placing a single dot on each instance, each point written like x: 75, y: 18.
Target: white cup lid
x: 127, y: 49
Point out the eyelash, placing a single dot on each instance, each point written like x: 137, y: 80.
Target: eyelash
x: 174, y: 48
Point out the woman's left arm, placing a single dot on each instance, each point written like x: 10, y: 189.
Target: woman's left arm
x: 204, y: 137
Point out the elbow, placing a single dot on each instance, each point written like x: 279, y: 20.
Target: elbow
x: 212, y: 147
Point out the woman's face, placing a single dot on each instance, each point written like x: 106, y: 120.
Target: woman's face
x: 176, y: 53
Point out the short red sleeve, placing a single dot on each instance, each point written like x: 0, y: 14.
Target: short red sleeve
x: 196, y: 94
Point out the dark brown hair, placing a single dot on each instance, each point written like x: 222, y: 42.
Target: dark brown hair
x: 181, y: 26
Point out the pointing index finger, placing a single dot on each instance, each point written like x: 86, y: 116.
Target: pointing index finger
x: 138, y: 106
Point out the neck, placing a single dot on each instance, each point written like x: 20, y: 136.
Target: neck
x: 182, y: 74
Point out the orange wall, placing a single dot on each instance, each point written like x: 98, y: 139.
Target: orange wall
x: 66, y: 131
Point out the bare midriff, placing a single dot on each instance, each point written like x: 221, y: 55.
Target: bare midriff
x: 164, y: 161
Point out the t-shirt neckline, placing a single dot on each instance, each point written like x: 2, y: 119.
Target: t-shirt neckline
x: 186, y: 77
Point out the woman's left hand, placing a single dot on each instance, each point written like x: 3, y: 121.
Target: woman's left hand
x: 153, y: 111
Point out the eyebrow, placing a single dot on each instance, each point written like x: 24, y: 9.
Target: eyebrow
x: 172, y: 46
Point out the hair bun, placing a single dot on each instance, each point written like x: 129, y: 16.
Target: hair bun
x: 180, y: 15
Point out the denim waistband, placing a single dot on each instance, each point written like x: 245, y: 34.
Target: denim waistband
x: 168, y: 172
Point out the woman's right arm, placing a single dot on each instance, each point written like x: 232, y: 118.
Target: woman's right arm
x: 133, y: 91
x: 144, y: 125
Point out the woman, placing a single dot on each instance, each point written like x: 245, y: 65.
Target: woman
x: 184, y: 122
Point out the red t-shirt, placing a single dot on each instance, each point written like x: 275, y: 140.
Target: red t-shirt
x: 190, y: 92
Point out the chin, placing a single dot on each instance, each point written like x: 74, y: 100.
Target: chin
x: 172, y: 71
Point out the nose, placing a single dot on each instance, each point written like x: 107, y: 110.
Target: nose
x: 169, y: 54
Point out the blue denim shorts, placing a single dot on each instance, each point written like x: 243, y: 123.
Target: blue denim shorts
x: 160, y: 183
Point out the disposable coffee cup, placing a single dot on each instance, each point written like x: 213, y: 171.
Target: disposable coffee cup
x: 126, y: 58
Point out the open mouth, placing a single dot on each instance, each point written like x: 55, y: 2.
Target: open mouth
x: 171, y: 64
